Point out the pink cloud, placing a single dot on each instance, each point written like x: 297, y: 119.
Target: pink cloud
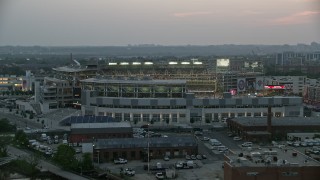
x: 297, y: 18
x: 188, y: 14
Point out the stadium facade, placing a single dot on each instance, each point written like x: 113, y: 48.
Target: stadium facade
x: 170, y: 102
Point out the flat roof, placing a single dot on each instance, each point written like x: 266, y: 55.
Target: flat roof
x: 100, y: 125
x: 277, y: 121
x: 55, y: 79
x: 155, y: 142
x: 112, y: 81
x: 264, y: 157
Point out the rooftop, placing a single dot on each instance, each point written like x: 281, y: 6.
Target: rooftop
x: 69, y: 69
x: 176, y: 141
x: 100, y: 125
x: 283, y: 121
x: 266, y: 157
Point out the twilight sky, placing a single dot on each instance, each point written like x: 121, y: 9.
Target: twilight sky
x: 164, y: 22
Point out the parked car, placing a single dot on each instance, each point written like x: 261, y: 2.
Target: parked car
x: 193, y: 157
x: 129, y: 172
x: 204, y: 156
x: 246, y: 144
x: 166, y: 158
x: 205, y: 139
x: 188, y: 157
x: 237, y: 138
x: 199, y: 157
x: 120, y: 161
x: 160, y: 175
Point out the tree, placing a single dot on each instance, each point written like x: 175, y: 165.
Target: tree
x: 192, y: 120
x: 5, y: 126
x: 167, y: 121
x: 4, y: 141
x: 207, y: 120
x: 65, y: 157
x: 42, y: 122
x: 21, y: 138
x: 86, y: 163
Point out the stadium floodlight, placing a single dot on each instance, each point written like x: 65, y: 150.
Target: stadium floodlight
x: 197, y: 62
x: 172, y: 63
x: 148, y: 63
x: 124, y: 63
x: 136, y: 63
x: 112, y: 63
x: 185, y: 62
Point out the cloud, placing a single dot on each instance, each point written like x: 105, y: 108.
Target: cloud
x: 188, y: 14
x: 297, y: 18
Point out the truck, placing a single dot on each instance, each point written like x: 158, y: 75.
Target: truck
x: 185, y: 165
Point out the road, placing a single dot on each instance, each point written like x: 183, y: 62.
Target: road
x: 19, y: 121
x: 45, y: 165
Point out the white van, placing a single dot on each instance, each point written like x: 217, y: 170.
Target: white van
x: 214, y: 142
x: 246, y: 144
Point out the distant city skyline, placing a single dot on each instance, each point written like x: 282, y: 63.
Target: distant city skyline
x: 160, y: 22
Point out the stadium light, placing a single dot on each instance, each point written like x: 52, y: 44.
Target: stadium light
x: 197, y: 62
x: 172, y: 63
x: 148, y: 63
x: 136, y: 63
x: 185, y: 62
x: 112, y: 64
x: 124, y: 63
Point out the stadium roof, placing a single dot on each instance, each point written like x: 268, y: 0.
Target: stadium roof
x: 110, y: 81
x: 69, y: 69
x: 175, y: 141
x: 86, y: 119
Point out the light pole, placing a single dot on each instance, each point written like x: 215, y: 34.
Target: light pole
x: 148, y: 149
x: 98, y: 156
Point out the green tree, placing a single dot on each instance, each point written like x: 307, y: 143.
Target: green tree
x: 21, y: 138
x: 5, y: 126
x: 65, y: 157
x: 86, y: 163
x: 192, y: 120
x: 42, y: 122
x: 4, y: 141
x: 207, y: 120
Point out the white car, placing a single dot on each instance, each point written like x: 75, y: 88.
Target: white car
x: 205, y: 139
x: 129, y: 172
x: 160, y: 175
x: 120, y: 161
x: 246, y: 144
x: 237, y: 138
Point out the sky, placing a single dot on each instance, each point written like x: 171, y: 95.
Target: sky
x: 161, y: 22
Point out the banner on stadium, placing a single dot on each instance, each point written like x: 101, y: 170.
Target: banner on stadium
x: 259, y: 83
x: 251, y: 84
x: 241, y: 84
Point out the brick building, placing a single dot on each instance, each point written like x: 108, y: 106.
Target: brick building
x: 81, y: 132
x: 255, y: 129
x: 137, y: 148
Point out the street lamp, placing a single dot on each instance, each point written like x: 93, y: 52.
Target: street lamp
x: 98, y: 156
x: 148, y: 150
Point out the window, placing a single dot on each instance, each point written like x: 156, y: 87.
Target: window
x: 174, y: 118
x: 126, y: 117
x: 145, y: 117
